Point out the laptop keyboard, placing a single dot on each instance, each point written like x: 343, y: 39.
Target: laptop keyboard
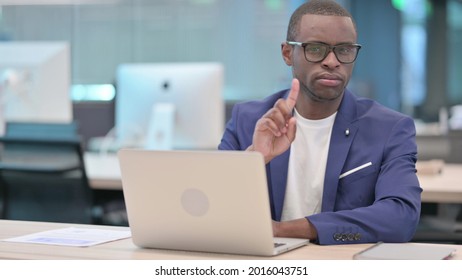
x: 279, y: 244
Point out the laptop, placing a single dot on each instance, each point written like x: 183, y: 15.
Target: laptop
x: 406, y: 251
x: 209, y: 201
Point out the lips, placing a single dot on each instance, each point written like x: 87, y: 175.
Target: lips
x: 329, y: 80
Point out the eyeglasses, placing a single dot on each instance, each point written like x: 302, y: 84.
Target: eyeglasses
x: 317, y: 52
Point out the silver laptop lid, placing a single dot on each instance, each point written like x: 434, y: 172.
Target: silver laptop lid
x: 214, y: 201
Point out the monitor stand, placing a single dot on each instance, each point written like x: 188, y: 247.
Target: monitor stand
x: 161, y: 127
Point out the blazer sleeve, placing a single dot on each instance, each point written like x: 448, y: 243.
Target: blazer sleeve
x: 394, y: 214
x: 232, y: 139
x: 239, y: 129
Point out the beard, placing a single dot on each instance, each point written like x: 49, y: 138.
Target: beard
x: 316, y: 95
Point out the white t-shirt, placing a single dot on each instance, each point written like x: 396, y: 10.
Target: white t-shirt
x: 307, y: 167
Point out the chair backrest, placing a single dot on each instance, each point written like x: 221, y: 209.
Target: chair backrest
x: 59, y: 131
x: 43, y: 174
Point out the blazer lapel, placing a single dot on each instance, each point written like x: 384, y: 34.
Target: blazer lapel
x: 343, y: 133
x: 278, y: 170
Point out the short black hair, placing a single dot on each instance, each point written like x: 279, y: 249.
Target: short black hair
x: 315, y: 7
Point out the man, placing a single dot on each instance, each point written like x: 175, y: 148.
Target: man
x: 340, y: 169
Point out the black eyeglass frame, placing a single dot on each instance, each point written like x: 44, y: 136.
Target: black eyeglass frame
x: 330, y: 49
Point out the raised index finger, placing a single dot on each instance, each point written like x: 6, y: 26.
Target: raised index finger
x: 293, y: 94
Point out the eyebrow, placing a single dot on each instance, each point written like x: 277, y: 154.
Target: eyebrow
x: 321, y: 42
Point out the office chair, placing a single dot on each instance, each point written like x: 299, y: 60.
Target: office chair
x: 42, y: 174
x: 440, y: 222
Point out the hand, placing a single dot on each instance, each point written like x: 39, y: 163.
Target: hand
x: 299, y: 228
x: 275, y: 130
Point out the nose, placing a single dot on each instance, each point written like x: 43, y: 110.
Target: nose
x: 331, y: 60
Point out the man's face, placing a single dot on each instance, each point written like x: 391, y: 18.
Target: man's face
x: 325, y: 80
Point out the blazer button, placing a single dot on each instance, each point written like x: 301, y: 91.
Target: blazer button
x: 357, y: 236
x: 344, y: 237
x: 337, y: 236
x: 351, y: 237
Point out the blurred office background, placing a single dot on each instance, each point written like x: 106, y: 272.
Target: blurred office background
x: 410, y: 60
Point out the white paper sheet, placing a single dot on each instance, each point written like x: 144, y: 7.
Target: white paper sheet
x: 73, y: 236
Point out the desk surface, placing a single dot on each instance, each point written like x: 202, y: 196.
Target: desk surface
x: 445, y: 187
x: 103, y: 171
x: 125, y: 250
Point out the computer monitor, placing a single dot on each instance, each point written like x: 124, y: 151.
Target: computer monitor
x: 34, y: 82
x: 167, y: 106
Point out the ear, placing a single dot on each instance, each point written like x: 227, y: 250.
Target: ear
x: 286, y: 51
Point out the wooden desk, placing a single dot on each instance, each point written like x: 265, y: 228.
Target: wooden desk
x: 125, y: 250
x: 104, y: 173
x: 445, y: 187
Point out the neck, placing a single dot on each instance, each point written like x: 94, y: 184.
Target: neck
x: 314, y: 109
